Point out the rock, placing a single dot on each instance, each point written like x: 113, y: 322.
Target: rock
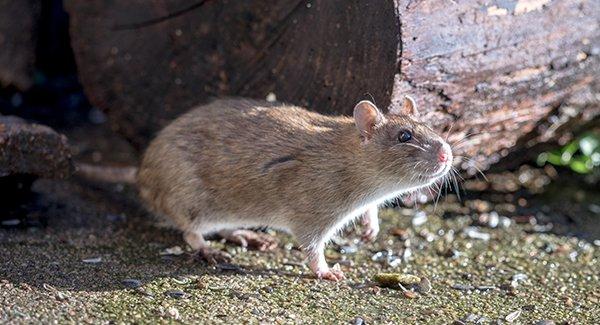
x: 462, y: 287
x: 424, y: 285
x: 132, y: 283
x: 177, y: 294
x: 392, y: 279
x: 32, y: 149
x: 544, y: 322
x: 175, y: 250
x: 18, y: 38
x: 419, y: 219
x: 475, y: 233
x: 92, y: 260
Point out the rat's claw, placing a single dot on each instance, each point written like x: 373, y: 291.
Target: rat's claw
x: 333, y: 274
x: 213, y: 256
x: 369, y: 235
x: 370, y: 232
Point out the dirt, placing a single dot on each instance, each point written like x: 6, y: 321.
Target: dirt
x: 522, y: 271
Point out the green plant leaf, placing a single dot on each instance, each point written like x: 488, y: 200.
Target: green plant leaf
x: 579, y: 167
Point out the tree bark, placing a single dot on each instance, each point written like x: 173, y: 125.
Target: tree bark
x: 511, y: 74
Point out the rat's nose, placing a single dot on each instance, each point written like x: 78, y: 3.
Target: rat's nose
x: 443, y: 154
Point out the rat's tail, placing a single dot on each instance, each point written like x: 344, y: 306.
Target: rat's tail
x: 107, y: 174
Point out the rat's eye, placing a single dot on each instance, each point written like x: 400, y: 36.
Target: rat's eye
x: 404, y: 136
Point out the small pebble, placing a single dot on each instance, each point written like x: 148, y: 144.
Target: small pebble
x: 358, y: 321
x: 471, y: 318
x: 60, y: 296
x: 93, y: 260
x: 348, y: 249
x: 519, y: 277
x: 175, y: 250
x: 132, y: 283
x: 177, y: 294
x: 513, y: 316
x: 462, y: 287
x: 419, y: 219
x: 474, y: 233
x: 424, y: 285
x: 182, y: 280
x: 485, y: 288
x: 544, y: 322
x: 173, y: 312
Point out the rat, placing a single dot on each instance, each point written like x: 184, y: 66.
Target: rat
x: 234, y: 164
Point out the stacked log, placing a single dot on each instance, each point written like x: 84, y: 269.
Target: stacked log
x: 512, y: 74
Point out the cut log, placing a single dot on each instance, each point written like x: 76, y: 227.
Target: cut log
x: 18, y: 30
x: 32, y: 149
x: 510, y: 74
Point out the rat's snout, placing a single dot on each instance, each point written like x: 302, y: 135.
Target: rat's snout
x: 444, y: 153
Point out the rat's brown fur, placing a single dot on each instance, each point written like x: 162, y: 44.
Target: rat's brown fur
x: 240, y: 163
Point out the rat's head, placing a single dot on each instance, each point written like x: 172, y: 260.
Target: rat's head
x: 400, y: 147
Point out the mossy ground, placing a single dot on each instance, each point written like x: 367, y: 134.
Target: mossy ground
x: 43, y: 277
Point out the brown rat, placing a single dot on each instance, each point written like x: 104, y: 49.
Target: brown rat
x: 241, y: 163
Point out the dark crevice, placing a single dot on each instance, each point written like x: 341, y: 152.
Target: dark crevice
x: 56, y: 97
x: 159, y: 20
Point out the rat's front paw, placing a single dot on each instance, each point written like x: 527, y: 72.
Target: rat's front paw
x: 331, y: 275
x: 370, y: 233
x: 371, y: 226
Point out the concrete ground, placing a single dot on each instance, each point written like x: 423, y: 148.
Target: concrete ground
x: 83, y: 252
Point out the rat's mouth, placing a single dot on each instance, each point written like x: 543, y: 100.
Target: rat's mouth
x: 444, y: 170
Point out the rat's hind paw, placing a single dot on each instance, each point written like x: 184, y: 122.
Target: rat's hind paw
x: 331, y: 275
x: 248, y: 238
x: 213, y: 256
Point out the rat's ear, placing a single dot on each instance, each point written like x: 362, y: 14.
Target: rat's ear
x: 409, y: 107
x: 366, y: 118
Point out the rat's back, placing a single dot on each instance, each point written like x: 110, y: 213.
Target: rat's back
x: 230, y: 157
